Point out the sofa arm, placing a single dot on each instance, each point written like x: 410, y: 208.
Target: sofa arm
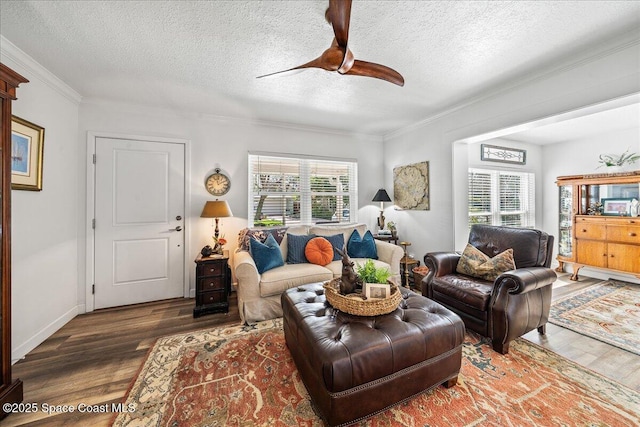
x: 391, y: 254
x: 523, y: 280
x: 246, y: 274
x: 441, y: 263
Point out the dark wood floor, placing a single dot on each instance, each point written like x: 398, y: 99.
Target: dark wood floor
x: 93, y: 359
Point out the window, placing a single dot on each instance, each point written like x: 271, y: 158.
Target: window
x: 301, y: 190
x: 499, y: 197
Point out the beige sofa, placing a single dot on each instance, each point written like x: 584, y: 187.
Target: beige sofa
x: 259, y: 294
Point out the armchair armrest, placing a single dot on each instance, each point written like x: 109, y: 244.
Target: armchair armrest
x: 441, y: 263
x: 391, y: 254
x: 523, y: 280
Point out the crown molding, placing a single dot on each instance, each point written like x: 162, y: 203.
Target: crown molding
x: 608, y: 48
x: 240, y: 121
x: 29, y: 66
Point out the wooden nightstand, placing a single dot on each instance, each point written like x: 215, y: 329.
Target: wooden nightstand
x: 213, y: 285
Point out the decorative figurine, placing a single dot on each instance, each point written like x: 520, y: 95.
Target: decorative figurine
x: 349, y: 281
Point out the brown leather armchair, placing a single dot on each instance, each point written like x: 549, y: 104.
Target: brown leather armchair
x: 517, y: 302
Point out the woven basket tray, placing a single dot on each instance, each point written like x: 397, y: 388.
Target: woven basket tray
x: 356, y: 305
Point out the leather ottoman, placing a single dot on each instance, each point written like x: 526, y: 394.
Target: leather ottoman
x: 355, y: 367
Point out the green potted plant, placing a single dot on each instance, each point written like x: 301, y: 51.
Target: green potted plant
x: 392, y: 227
x: 369, y: 273
x: 615, y: 163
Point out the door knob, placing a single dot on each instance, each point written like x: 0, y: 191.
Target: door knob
x: 178, y: 228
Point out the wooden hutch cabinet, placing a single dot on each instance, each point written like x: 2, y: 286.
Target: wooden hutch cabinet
x: 599, y: 224
x: 10, y: 389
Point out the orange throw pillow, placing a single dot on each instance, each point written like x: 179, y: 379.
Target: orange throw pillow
x: 319, y: 251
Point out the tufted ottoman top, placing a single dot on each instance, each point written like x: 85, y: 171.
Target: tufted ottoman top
x: 354, y: 350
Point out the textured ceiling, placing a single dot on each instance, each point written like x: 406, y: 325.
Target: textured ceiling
x: 203, y: 56
x: 583, y: 127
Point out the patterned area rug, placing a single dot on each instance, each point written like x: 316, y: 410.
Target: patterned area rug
x: 244, y: 375
x: 608, y: 311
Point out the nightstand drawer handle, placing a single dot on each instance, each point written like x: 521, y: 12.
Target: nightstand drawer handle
x: 632, y: 234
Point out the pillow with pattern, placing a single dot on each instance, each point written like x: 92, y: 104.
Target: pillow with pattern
x: 260, y: 234
x: 475, y: 263
x: 295, y: 248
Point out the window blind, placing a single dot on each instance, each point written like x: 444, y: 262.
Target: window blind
x: 499, y: 197
x: 301, y: 190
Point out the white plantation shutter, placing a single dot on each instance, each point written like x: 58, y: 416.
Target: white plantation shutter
x: 301, y: 190
x: 499, y: 197
x: 480, y: 197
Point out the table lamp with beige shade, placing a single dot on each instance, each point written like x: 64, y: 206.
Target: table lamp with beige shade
x: 216, y: 209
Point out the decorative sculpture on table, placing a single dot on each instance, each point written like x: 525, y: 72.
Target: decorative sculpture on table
x: 349, y: 281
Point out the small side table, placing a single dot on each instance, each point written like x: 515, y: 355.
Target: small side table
x: 213, y: 285
x: 387, y: 238
x: 407, y: 264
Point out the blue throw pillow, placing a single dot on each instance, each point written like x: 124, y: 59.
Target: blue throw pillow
x: 266, y: 255
x: 337, y: 241
x: 295, y: 248
x: 362, y: 247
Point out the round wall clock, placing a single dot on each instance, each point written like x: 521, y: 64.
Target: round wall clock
x: 217, y: 183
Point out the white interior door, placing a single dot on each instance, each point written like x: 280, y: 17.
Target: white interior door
x: 139, y: 221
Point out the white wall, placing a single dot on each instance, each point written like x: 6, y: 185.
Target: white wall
x: 224, y: 143
x: 605, y: 72
x: 44, y: 223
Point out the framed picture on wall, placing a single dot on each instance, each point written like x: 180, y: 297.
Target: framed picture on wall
x: 27, y: 148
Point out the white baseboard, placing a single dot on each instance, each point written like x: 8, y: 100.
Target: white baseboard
x: 21, y: 351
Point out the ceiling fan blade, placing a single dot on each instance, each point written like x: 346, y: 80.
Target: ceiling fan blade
x: 369, y: 69
x: 316, y: 63
x: 339, y: 15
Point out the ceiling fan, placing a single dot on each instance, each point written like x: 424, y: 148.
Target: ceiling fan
x: 339, y: 57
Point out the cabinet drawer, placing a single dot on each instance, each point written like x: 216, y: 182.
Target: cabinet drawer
x: 210, y: 284
x: 212, y: 297
x: 591, y: 231
x: 211, y: 269
x: 621, y: 233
